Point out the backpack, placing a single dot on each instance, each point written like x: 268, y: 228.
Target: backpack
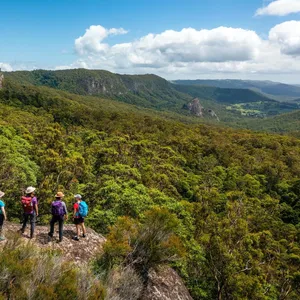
x: 57, y: 208
x: 83, y: 209
x: 27, y: 204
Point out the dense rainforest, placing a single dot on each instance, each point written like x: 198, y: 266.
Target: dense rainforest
x: 220, y: 205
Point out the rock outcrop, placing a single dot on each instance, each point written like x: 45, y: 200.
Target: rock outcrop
x: 80, y: 251
x: 1, y: 79
x: 213, y: 114
x: 196, y: 108
x: 165, y: 284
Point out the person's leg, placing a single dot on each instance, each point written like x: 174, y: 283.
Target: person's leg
x: 32, y: 224
x: 76, y: 237
x: 61, y: 228
x: 77, y: 230
x: 25, y: 220
x: 52, y: 222
x: 83, y: 230
x: 1, y: 227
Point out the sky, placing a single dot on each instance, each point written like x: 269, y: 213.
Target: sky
x: 176, y: 39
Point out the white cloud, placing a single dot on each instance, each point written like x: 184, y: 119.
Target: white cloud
x: 91, y: 41
x: 280, y: 8
x: 287, y: 36
x: 157, y: 50
x: 190, y: 53
x: 6, y: 67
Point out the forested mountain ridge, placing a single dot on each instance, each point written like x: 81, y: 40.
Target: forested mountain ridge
x: 144, y: 90
x: 222, y: 95
x: 229, y: 105
x: 267, y: 87
x: 219, y: 205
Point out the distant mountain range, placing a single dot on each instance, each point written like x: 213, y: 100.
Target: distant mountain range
x: 230, y: 101
x: 273, y: 89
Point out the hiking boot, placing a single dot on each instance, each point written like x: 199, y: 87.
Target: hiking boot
x: 2, y: 238
x: 76, y: 238
x: 83, y: 235
x: 50, y: 237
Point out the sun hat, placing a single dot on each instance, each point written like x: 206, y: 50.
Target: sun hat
x: 30, y: 190
x: 59, y: 195
x: 78, y: 196
x: 1, y: 194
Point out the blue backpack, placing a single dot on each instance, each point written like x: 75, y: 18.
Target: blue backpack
x: 83, y: 209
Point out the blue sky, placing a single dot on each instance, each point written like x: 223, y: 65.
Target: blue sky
x: 42, y: 34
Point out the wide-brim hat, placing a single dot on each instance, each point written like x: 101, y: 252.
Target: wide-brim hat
x: 30, y: 190
x: 59, y: 195
x: 1, y: 194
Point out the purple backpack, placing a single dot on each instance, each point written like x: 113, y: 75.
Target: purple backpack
x: 57, y: 208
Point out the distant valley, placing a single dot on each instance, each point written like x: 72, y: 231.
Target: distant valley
x: 236, y: 103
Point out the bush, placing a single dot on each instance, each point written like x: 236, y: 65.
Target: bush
x: 141, y: 245
x: 27, y: 272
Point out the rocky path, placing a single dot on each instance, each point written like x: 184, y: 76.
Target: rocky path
x: 78, y: 251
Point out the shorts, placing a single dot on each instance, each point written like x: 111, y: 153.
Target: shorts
x: 1, y: 219
x: 78, y: 221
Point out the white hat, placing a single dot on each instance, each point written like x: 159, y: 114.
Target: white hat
x: 30, y: 190
x: 78, y: 196
x: 1, y: 194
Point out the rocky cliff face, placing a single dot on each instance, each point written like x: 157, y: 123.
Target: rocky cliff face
x: 196, y: 108
x: 1, y: 80
x: 213, y: 114
x: 165, y: 284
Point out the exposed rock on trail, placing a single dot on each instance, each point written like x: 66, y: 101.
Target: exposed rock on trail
x: 78, y: 251
x: 165, y: 284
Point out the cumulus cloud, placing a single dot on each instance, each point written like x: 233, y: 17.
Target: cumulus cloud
x: 287, y: 36
x: 280, y: 8
x: 91, y: 41
x: 188, y: 45
x: 190, y: 53
x: 6, y: 67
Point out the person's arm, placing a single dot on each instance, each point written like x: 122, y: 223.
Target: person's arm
x: 66, y: 212
x: 36, y: 207
x: 4, y: 213
x: 75, y: 210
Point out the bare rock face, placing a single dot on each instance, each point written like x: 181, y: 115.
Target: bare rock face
x: 80, y: 251
x: 1, y: 80
x: 213, y: 114
x: 196, y: 108
x: 165, y: 284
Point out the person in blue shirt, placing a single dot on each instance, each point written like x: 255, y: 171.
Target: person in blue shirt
x: 2, y: 215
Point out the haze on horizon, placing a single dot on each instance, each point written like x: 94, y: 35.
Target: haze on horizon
x: 191, y: 39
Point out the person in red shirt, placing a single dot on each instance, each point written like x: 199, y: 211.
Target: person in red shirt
x: 78, y: 220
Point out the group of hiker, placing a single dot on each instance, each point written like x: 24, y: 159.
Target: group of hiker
x: 59, y: 213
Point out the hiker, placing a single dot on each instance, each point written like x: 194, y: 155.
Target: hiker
x: 30, y: 210
x: 2, y: 215
x: 59, y: 214
x: 80, y: 212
